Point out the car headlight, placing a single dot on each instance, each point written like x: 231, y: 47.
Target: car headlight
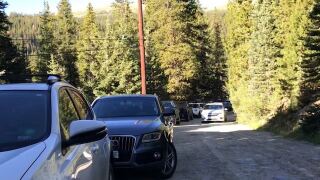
x: 151, y: 137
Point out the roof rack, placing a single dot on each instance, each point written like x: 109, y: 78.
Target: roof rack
x: 30, y: 78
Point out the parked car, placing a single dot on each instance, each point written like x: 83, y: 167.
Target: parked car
x: 214, y: 112
x: 171, y: 106
x: 141, y: 135
x: 230, y: 114
x: 185, y: 110
x: 48, y: 130
x: 196, y: 109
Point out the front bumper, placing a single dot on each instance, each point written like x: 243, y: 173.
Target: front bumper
x: 209, y: 118
x: 143, y: 155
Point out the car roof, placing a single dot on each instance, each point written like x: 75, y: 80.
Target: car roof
x: 32, y: 86
x: 128, y: 95
x: 24, y: 86
x: 215, y: 103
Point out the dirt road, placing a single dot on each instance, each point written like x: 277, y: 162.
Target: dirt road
x: 233, y: 151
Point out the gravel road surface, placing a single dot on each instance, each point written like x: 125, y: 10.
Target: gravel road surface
x: 233, y: 151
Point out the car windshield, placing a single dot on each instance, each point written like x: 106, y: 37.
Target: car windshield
x: 23, y: 118
x: 194, y: 105
x: 213, y: 107
x: 126, y: 107
x: 167, y: 104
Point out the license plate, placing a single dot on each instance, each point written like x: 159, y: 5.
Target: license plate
x: 115, y: 154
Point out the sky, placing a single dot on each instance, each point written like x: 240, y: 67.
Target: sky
x: 36, y: 6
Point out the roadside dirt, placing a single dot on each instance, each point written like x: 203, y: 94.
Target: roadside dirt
x: 233, y: 151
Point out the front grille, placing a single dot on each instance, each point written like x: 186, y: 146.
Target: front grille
x: 124, y: 145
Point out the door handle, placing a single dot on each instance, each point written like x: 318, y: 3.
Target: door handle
x: 95, y: 149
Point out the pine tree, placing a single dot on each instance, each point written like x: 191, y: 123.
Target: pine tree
x: 11, y: 60
x: 310, y: 85
x: 211, y: 55
x: 90, y: 54
x: 120, y: 71
x: 219, y: 65
x: 65, y: 39
x: 170, y: 24
x: 262, y: 62
x: 238, y: 34
x: 156, y: 79
x: 46, y: 41
x: 291, y: 29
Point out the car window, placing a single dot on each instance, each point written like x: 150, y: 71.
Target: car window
x: 81, y: 105
x: 194, y: 105
x: 67, y: 113
x: 24, y: 118
x: 167, y: 104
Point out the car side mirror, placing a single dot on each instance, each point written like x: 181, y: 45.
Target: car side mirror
x: 85, y: 131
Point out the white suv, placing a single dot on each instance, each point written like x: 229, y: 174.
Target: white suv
x: 48, y: 130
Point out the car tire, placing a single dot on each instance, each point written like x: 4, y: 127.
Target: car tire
x: 171, y: 162
x: 187, y: 117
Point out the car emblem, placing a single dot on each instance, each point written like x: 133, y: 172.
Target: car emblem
x: 115, y: 143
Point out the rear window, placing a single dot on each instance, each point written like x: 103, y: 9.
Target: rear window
x: 23, y: 118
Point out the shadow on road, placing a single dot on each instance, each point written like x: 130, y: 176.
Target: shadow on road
x: 233, y: 151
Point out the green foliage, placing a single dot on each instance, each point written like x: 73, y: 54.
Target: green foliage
x: 46, y: 41
x: 311, y: 59
x: 10, y: 59
x: 262, y: 63
x: 239, y: 29
x: 310, y: 122
x: 65, y: 40
x: 119, y: 72
x: 90, y: 53
x: 179, y: 38
x: 273, y: 63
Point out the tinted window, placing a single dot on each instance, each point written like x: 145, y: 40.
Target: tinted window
x: 126, y: 107
x: 23, y: 118
x: 67, y: 113
x: 167, y: 104
x: 194, y: 105
x: 81, y: 105
x: 213, y: 107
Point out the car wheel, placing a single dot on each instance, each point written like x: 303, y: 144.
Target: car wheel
x: 187, y: 117
x: 171, y: 161
x: 225, y: 119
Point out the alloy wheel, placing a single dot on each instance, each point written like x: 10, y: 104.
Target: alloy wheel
x: 170, y: 162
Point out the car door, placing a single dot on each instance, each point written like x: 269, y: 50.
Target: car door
x: 74, y: 162
x: 100, y: 160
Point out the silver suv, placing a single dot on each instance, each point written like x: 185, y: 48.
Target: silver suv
x: 48, y: 130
